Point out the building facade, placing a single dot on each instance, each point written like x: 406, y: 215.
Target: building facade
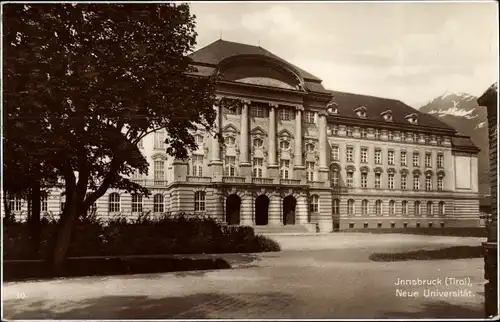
x: 295, y: 153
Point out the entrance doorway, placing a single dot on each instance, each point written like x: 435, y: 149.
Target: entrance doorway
x: 262, y: 210
x: 289, y: 205
x: 233, y: 205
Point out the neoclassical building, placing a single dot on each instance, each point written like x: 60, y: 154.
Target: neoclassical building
x: 295, y: 153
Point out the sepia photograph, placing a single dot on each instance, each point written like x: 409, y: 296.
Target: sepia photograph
x: 230, y: 160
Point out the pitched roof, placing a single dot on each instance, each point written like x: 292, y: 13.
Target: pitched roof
x: 462, y: 142
x: 348, y: 102
x: 219, y: 50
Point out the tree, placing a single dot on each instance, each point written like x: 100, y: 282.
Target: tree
x: 93, y: 80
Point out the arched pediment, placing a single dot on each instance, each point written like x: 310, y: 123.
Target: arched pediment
x: 391, y: 170
x: 258, y: 131
x: 159, y: 156
x: 364, y: 169
x: 417, y: 172
x: 230, y: 129
x: 378, y: 170
x: 404, y: 171
x: 335, y: 167
x: 350, y: 168
x: 441, y: 173
x: 261, y: 70
x: 285, y: 133
x: 429, y: 172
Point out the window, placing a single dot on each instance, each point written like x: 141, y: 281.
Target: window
x: 229, y: 141
x: 335, y: 129
x: 309, y: 117
x: 232, y: 110
x: 158, y: 203
x: 350, y: 154
x: 350, y: 206
x: 197, y: 165
x: 314, y: 205
x: 427, y: 139
x: 136, y: 175
x: 258, y: 111
x: 92, y: 209
x: 140, y: 144
x: 404, y: 207
x: 376, y: 133
x: 159, y: 170
x: 378, y: 156
x: 335, y: 153
x: 378, y: 207
x: 16, y: 204
x: 257, y: 167
x: 441, y: 208
x: 349, y: 131
x: 390, y: 180
x: 136, y: 202
x: 43, y: 203
x: 364, y: 155
x: 416, y: 182
x: 230, y: 166
x: 285, y: 114
x: 403, y: 181
x: 416, y: 159
x: 258, y: 143
x: 428, y: 183
x: 428, y: 160
x: 364, y: 180
x: 440, y: 184
x: 364, y: 207
x: 114, y: 202
x: 284, y: 169
x: 310, y: 171
x: 199, y: 140
x: 403, y: 158
x: 392, y: 207
x: 335, y: 177
x: 199, y: 201
x: 284, y: 145
x: 159, y: 139
x: 439, y: 140
x: 390, y: 157
x: 415, y: 138
x: 350, y: 179
x: 378, y: 180
x: 440, y: 161
x: 362, y: 132
x: 310, y: 147
x: 429, y: 207
x: 417, y: 208
x: 390, y: 136
x: 336, y: 207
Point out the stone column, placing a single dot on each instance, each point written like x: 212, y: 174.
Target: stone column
x: 272, y: 165
x: 299, y: 169
x: 247, y: 209
x: 215, y: 164
x: 301, y: 209
x: 245, y: 165
x: 275, y: 210
x: 323, y: 148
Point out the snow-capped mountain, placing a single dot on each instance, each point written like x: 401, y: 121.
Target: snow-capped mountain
x: 462, y: 112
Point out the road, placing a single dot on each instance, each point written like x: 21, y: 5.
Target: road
x: 324, y: 276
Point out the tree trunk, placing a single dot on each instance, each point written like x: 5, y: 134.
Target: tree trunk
x: 34, y: 218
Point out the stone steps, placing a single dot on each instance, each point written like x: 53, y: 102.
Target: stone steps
x: 283, y: 229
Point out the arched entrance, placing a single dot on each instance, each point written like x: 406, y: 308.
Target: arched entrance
x: 233, y: 205
x: 262, y: 210
x: 289, y: 204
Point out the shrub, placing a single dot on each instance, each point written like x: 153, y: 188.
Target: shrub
x: 146, y: 235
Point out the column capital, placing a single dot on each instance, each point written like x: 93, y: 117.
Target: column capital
x: 299, y: 107
x: 246, y: 101
x: 322, y: 113
x: 273, y: 105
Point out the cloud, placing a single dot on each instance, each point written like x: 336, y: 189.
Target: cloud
x: 213, y: 22
x: 277, y: 20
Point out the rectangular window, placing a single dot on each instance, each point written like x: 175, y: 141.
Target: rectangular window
x: 257, y: 167
x: 416, y: 183
x: 159, y: 170
x: 377, y: 180
x: 335, y: 153
x: 440, y: 184
x: 404, y: 207
x: 197, y: 165
x: 335, y: 129
x: 390, y: 136
x: 390, y: 180
x: 415, y: 138
x: 159, y: 139
x: 403, y: 181
x: 364, y: 180
x: 136, y: 203
x: 348, y: 131
x: 362, y: 132
x: 364, y: 155
x: 284, y: 169
x: 350, y: 154
x: 230, y: 166
x: 199, y: 201
x: 378, y: 156
x: 43, y: 206
x: 258, y: 111
x: 285, y: 114
x: 416, y: 159
x: 427, y: 139
x: 335, y: 178
x: 309, y: 117
x: 428, y: 183
x: 440, y: 161
x: 403, y: 158
x: 390, y: 157
x: 376, y: 134
x: 232, y: 110
x: 350, y: 179
x: 428, y: 160
x: 310, y: 171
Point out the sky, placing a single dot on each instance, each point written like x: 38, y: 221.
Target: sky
x: 413, y: 52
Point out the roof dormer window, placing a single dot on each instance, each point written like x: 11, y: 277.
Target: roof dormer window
x: 387, y: 115
x: 361, y: 111
x: 332, y: 108
x: 412, y: 118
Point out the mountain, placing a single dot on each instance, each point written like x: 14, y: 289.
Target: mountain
x: 461, y: 111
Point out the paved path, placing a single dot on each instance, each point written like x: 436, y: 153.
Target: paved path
x: 313, y: 277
